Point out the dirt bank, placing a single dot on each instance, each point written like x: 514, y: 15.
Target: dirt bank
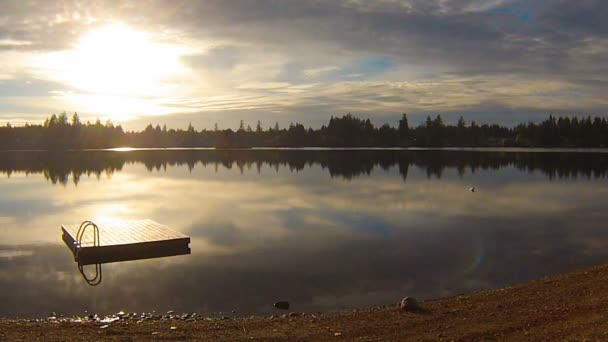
x: 571, y: 306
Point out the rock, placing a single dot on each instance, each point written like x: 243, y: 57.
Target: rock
x: 170, y: 312
x: 173, y: 328
x: 109, y: 319
x: 294, y: 314
x: 104, y: 326
x: 409, y: 304
x: 283, y: 305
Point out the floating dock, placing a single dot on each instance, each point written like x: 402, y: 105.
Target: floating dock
x: 122, y: 240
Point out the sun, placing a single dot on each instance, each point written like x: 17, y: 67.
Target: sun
x: 114, y: 68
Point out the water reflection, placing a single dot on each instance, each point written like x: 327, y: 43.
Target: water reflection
x: 62, y: 168
x: 94, y: 279
x: 323, y: 229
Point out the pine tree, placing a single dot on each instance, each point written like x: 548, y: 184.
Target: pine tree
x: 404, y: 126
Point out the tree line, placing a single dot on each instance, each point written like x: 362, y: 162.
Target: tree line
x: 60, y: 133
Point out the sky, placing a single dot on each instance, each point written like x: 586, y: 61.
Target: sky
x: 215, y: 61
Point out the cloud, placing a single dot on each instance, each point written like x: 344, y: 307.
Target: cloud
x: 380, y: 58
x: 316, y: 72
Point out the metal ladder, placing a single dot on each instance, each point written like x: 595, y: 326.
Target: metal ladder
x: 96, y: 280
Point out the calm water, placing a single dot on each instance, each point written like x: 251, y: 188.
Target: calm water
x: 325, y: 230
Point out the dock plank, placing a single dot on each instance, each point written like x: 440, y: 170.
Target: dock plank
x: 121, y: 240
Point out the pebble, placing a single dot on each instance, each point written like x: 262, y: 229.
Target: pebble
x: 104, y: 326
x: 109, y: 319
x: 123, y: 316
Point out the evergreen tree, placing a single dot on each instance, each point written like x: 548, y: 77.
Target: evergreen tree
x: 404, y: 128
x: 75, y: 120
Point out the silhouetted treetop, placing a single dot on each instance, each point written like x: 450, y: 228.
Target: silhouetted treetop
x: 60, y: 133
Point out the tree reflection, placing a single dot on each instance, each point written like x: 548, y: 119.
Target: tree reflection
x: 63, y: 168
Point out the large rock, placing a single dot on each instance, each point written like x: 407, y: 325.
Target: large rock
x: 282, y: 305
x: 409, y: 304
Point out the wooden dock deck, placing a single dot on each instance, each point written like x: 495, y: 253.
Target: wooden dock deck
x: 122, y: 240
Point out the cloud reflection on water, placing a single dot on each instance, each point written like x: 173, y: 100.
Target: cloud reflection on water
x: 321, y: 242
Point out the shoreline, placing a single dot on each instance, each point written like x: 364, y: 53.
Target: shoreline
x: 571, y: 306
x: 531, y: 149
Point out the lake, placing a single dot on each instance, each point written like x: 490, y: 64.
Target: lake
x: 323, y: 229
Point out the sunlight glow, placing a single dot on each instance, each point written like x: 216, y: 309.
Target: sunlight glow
x: 109, y: 212
x: 122, y: 149
x: 118, y: 69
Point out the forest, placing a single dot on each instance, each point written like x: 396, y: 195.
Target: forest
x: 60, y: 132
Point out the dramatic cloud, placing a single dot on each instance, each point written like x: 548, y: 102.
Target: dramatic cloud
x: 500, y: 60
